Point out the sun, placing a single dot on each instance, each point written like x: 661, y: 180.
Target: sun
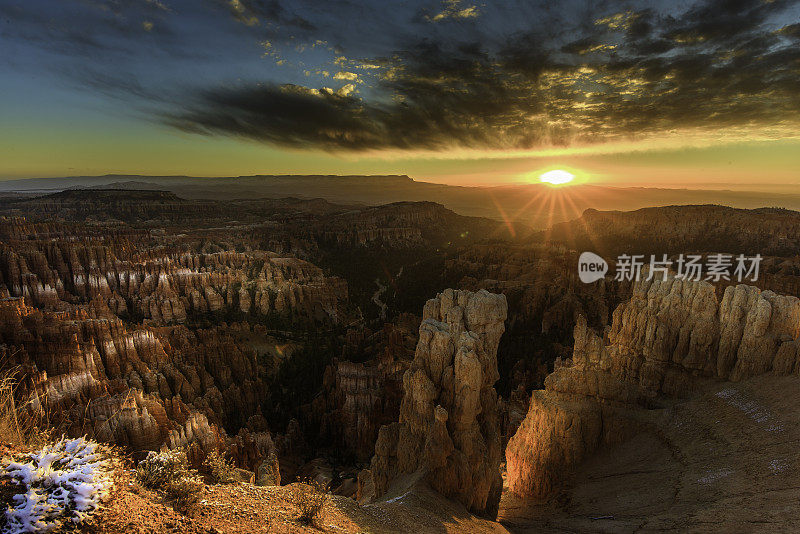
x: 556, y: 177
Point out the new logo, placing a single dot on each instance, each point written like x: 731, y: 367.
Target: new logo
x: 591, y: 267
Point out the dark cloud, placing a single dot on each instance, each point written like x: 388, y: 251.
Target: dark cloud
x: 625, y: 75
x: 88, y: 29
x: 723, y: 21
x: 792, y: 30
x: 434, y: 74
x: 296, y: 116
x: 258, y: 12
x: 441, y: 97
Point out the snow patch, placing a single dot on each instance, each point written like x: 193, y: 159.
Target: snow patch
x: 399, y: 498
x: 756, y: 412
x: 63, y: 483
x: 713, y: 476
x: 778, y: 465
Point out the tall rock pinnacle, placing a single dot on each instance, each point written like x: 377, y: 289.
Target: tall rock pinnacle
x: 448, y: 431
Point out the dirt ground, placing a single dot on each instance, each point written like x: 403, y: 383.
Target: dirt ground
x: 726, y: 461
x: 244, y: 508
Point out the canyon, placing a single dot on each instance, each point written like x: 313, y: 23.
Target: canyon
x: 486, y: 375
x: 149, y: 321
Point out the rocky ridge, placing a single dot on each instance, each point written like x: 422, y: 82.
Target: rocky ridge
x: 669, y: 335
x: 676, y: 229
x: 165, y: 288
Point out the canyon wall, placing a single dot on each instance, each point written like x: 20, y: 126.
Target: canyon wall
x: 165, y: 288
x: 675, y: 229
x: 147, y: 340
x: 667, y: 336
x: 86, y: 372
x: 363, y: 390
x: 448, y: 430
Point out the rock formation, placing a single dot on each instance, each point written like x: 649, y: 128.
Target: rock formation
x: 84, y: 371
x: 448, y: 430
x: 667, y: 336
x: 678, y: 229
x: 141, y: 205
x: 165, y: 288
x: 362, y: 395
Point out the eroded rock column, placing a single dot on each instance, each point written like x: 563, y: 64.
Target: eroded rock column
x: 448, y: 430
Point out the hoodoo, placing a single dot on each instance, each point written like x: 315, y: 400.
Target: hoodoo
x: 448, y: 432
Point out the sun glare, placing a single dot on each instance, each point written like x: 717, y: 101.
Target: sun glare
x: 556, y: 177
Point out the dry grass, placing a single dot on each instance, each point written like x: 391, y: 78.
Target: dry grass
x: 169, y: 472
x: 10, y: 427
x: 220, y: 470
x: 310, y: 497
x: 184, y: 493
x: 20, y: 424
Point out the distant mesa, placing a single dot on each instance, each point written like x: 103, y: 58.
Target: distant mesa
x: 528, y: 204
x: 113, y: 194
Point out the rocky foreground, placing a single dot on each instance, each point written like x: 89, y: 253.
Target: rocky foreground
x: 246, y: 508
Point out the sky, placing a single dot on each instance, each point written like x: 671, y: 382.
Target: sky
x: 678, y: 94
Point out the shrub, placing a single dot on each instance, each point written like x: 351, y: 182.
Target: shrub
x: 161, y: 468
x: 183, y: 492
x: 168, y: 471
x: 220, y: 470
x: 310, y: 497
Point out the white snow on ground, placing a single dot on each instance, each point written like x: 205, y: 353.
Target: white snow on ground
x: 399, y: 498
x: 64, y: 482
x: 712, y: 476
x: 778, y: 465
x: 752, y: 409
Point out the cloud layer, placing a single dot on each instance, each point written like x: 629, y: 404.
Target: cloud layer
x: 453, y: 74
x: 720, y: 66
